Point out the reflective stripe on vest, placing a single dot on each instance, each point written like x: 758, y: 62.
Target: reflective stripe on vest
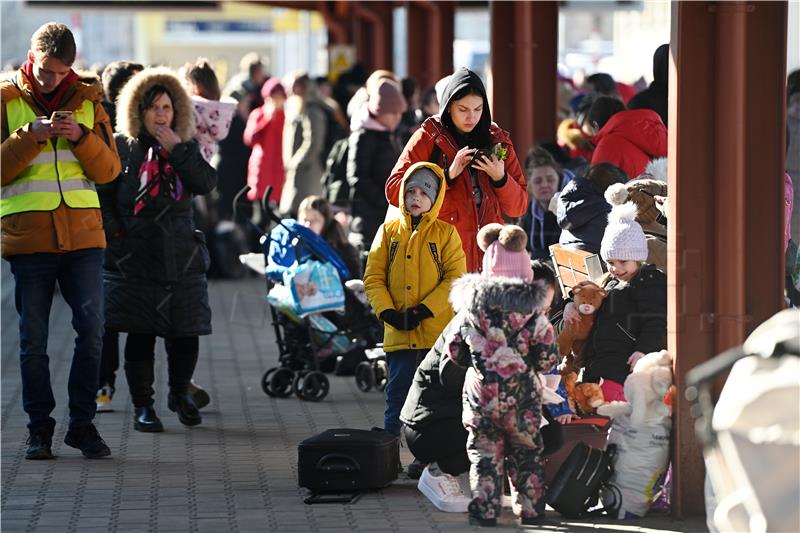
x: 54, y: 174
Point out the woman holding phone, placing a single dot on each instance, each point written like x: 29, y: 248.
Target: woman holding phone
x: 156, y: 261
x: 484, y: 178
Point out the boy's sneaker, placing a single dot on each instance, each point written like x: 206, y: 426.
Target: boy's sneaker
x: 40, y: 442
x: 103, y: 399
x: 198, y: 394
x: 415, y: 468
x: 443, y: 490
x: 88, y: 441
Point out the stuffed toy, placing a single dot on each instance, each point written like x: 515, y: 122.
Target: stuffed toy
x: 583, y: 398
x: 645, y: 388
x: 587, y: 296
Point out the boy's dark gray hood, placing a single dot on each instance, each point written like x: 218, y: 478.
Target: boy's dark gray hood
x: 473, y: 293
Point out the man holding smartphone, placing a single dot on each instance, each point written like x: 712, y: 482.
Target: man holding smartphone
x: 57, y: 144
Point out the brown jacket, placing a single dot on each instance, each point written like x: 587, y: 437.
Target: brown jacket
x: 65, y: 229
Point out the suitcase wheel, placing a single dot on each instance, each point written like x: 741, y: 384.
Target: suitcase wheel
x: 365, y: 376
x: 277, y: 382
x: 311, y: 386
x: 381, y: 374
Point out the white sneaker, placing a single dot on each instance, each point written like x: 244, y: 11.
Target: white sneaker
x: 103, y: 399
x: 443, y: 490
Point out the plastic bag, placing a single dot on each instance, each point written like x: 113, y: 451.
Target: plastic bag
x: 315, y: 287
x: 280, y: 297
x: 326, y: 335
x: 642, y: 457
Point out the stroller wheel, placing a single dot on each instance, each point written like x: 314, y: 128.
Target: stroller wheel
x: 381, y: 374
x: 281, y: 382
x: 315, y: 386
x: 266, y: 384
x: 365, y: 376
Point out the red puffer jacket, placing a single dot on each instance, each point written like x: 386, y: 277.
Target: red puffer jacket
x: 630, y: 139
x: 509, y: 198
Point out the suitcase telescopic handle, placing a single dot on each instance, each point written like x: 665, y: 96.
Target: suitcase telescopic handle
x: 337, y: 462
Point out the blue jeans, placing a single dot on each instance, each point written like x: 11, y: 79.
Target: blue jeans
x: 402, y: 365
x: 79, y: 276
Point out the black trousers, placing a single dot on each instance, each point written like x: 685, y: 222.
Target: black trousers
x: 182, y: 353
x: 443, y: 442
x: 109, y: 359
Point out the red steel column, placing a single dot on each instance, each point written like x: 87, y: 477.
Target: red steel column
x: 374, y: 34
x: 524, y: 53
x: 431, y: 30
x: 726, y: 145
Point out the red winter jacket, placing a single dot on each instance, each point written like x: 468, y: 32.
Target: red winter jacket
x: 264, y: 133
x: 630, y: 139
x: 510, y: 198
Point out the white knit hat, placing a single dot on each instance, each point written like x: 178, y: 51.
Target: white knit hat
x: 624, y: 239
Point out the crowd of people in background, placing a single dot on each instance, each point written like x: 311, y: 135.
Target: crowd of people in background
x: 366, y: 160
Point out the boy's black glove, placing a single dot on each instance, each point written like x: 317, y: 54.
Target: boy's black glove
x: 415, y: 315
x: 395, y: 319
x: 408, y: 319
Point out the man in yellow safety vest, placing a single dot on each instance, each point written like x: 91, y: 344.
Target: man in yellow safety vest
x: 57, y: 144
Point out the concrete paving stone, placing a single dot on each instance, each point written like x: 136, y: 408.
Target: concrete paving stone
x: 247, y: 441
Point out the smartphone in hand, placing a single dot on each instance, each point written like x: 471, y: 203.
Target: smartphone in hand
x: 60, y: 115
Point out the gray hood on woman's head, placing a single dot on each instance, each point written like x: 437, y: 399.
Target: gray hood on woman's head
x: 473, y: 293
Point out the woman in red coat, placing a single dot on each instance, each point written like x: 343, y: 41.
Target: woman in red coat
x: 481, y: 186
x: 627, y: 139
x: 264, y: 133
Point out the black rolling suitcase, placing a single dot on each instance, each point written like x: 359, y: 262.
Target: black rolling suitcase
x: 346, y: 460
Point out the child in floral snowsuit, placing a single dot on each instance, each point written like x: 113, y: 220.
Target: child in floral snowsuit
x: 504, y: 340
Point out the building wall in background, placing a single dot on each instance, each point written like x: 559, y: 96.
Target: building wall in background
x: 290, y: 39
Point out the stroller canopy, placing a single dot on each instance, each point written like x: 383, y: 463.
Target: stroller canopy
x: 291, y: 242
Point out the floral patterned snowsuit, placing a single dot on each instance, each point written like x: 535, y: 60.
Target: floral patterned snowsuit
x: 502, y: 405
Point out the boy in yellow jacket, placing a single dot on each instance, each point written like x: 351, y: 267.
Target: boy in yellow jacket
x: 413, y: 261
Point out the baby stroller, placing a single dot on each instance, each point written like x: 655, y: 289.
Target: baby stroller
x: 373, y: 372
x: 751, y: 436
x: 315, y: 317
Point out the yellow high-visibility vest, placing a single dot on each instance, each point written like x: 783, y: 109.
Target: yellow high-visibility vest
x: 54, y: 174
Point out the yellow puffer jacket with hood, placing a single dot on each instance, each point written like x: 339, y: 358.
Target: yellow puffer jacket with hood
x: 407, y: 267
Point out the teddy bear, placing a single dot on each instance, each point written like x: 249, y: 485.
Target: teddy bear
x: 645, y: 388
x: 587, y: 297
x: 583, y: 398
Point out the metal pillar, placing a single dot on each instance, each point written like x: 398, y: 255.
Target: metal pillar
x: 522, y: 88
x: 431, y: 31
x: 727, y: 148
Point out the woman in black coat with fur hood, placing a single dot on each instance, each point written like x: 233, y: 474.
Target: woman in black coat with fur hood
x: 156, y: 260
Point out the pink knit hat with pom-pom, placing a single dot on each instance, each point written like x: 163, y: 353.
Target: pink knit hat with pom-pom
x: 504, y: 252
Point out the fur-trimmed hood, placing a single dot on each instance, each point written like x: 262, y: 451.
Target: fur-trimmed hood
x: 129, y: 121
x: 472, y: 293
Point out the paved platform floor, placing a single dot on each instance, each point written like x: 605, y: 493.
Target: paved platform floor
x: 236, y: 472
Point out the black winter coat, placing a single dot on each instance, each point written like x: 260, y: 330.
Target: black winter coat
x: 582, y: 215
x: 435, y: 393
x: 155, y: 262
x: 372, y: 155
x: 632, y: 318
